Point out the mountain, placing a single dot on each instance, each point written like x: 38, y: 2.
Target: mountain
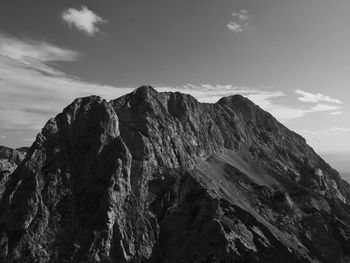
x: 160, y: 177
x: 9, y: 159
x: 12, y: 156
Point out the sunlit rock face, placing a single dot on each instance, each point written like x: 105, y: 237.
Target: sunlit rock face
x: 160, y: 177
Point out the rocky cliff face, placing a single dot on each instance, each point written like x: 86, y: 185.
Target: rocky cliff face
x: 160, y: 177
x: 9, y: 159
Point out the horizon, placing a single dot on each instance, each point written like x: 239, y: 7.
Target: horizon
x: 285, y: 57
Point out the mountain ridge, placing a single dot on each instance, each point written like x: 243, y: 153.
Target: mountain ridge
x: 144, y: 177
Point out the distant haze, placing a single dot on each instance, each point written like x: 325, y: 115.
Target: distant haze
x: 339, y: 161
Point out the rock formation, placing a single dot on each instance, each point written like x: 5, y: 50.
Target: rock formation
x: 9, y: 159
x: 160, y: 177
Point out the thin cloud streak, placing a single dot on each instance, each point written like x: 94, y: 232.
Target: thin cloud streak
x: 336, y: 113
x: 34, y: 54
x: 28, y: 80
x: 324, y: 107
x: 27, y: 49
x: 318, y: 97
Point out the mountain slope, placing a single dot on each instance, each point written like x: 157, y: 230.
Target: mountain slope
x: 160, y: 177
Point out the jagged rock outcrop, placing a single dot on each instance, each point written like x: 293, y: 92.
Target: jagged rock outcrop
x: 62, y: 202
x: 9, y: 159
x: 160, y: 177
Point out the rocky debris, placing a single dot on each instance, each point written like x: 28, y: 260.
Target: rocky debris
x: 160, y: 177
x: 9, y: 159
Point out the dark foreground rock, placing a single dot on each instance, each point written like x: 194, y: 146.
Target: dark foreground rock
x: 160, y: 177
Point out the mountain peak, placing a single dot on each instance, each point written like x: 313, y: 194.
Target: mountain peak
x: 145, y: 89
x: 143, y: 177
x: 235, y: 97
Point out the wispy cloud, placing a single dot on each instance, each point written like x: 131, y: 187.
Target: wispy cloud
x: 324, y: 107
x: 235, y: 27
x: 315, y: 97
x: 239, y: 21
x: 336, y: 113
x: 34, y: 54
x: 32, y: 90
x: 84, y: 20
x: 26, y: 50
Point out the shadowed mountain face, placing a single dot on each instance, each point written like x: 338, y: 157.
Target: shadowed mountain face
x: 160, y: 177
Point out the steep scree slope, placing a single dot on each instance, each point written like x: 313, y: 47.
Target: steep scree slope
x: 160, y: 177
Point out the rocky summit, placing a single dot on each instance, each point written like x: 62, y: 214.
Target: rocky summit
x: 160, y: 177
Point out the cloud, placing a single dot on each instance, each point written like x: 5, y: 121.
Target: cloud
x: 323, y: 107
x: 32, y: 90
x: 241, y: 15
x: 84, y: 20
x: 336, y: 112
x: 34, y: 54
x: 318, y: 97
x: 239, y: 22
x: 234, y: 27
x: 28, y: 50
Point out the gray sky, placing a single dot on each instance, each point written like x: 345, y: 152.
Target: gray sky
x: 290, y: 57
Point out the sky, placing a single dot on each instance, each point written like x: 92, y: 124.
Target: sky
x: 292, y: 58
